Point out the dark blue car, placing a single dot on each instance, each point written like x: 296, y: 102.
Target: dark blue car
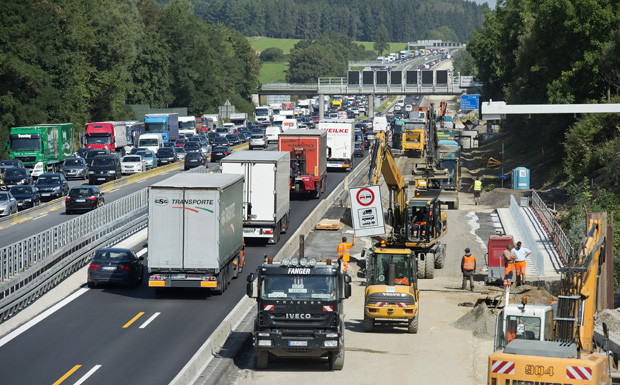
x: 115, y: 266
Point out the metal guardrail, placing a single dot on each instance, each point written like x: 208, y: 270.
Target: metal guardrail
x: 31, y: 267
x: 289, y: 86
x: 557, y: 235
x: 517, y: 214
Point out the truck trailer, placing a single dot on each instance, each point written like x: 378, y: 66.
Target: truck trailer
x: 266, y: 196
x: 340, y: 142
x: 47, y: 144
x: 308, y: 149
x: 165, y: 124
x: 195, y: 231
x: 111, y: 136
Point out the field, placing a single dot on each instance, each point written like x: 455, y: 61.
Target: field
x: 273, y: 72
x: 261, y: 43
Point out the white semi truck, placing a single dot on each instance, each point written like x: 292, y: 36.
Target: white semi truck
x: 340, y: 142
x: 187, y: 126
x: 266, y: 195
x: 195, y: 236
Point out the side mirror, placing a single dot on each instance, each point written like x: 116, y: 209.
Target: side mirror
x: 347, y: 290
x: 141, y: 258
x: 347, y: 278
x: 249, y: 290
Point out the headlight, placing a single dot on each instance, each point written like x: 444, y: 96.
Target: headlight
x: 329, y: 344
x: 27, y: 200
x: 111, y: 171
x: 91, y: 172
x: 331, y: 335
x: 263, y: 334
x: 57, y: 188
x: 264, y: 342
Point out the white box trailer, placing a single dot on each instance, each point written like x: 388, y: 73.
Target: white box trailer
x: 266, y: 195
x: 340, y: 142
x: 195, y: 231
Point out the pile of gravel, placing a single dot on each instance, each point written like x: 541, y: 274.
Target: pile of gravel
x: 500, y: 197
x: 611, y: 317
x: 479, y: 320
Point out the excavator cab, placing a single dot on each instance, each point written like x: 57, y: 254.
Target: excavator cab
x: 425, y: 220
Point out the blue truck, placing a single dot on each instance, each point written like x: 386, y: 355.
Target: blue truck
x: 165, y: 124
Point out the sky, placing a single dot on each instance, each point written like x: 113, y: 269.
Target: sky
x: 490, y: 2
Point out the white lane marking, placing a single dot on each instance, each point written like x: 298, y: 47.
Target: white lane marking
x: 142, y: 252
x: 112, y: 190
x: 90, y: 373
x: 41, y: 316
x: 39, y: 217
x: 148, y: 321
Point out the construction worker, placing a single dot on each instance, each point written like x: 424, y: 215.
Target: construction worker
x: 343, y: 251
x: 477, y: 190
x: 509, y: 258
x: 468, y: 267
x: 520, y: 253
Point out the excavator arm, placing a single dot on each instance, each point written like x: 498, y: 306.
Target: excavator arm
x: 382, y: 163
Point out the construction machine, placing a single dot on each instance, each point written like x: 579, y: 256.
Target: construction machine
x: 412, y: 250
x: 553, y: 344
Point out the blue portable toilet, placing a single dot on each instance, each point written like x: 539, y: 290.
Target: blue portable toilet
x: 521, y: 178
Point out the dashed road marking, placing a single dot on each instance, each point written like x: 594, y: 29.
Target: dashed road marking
x: 148, y: 321
x: 88, y: 374
x: 66, y: 375
x: 128, y: 324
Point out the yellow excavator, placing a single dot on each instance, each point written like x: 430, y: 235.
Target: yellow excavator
x: 543, y: 344
x: 411, y: 251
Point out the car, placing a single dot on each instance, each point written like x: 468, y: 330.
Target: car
x: 259, y: 131
x: 132, y: 164
x: 169, y: 144
x: 104, y: 168
x: 8, y: 204
x: 12, y: 163
x: 221, y: 141
x: 194, y: 159
x: 149, y: 158
x: 75, y: 168
x: 212, y: 135
x: 180, y: 142
x: 181, y: 153
x: 138, y: 150
x: 193, y: 147
x: 167, y: 155
x: 81, y: 153
x: 52, y: 185
x: 94, y: 153
x: 257, y: 140
x: 83, y: 198
x: 219, y: 152
x: 111, y: 265
x: 241, y: 136
x: 246, y: 132
x: 27, y: 196
x: 14, y: 176
x: 222, y: 131
x: 233, y: 139
x: 408, y: 108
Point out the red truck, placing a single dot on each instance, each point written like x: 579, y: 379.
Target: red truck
x: 308, y: 150
x: 112, y: 136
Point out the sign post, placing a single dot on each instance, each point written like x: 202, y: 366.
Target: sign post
x: 367, y: 211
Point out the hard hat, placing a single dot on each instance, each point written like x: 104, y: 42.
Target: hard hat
x: 467, y: 250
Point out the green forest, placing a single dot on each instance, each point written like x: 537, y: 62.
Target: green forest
x: 405, y: 20
x: 84, y: 60
x: 559, y: 51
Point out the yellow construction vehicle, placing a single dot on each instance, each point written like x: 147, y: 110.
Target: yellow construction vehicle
x: 412, y: 249
x: 543, y: 344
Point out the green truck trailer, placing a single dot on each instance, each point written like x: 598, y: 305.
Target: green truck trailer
x: 49, y: 144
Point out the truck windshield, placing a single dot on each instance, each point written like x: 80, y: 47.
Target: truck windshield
x: 187, y: 125
x: 103, y: 162
x: 98, y: 139
x: 402, y: 269
x: 149, y: 142
x: 155, y: 127
x: 262, y: 112
x: 25, y: 144
x: 299, y: 287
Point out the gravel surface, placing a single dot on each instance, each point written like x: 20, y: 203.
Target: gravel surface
x: 611, y: 317
x: 480, y: 320
x: 500, y: 197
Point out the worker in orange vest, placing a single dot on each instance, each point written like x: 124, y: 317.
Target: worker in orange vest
x: 468, y: 267
x: 509, y: 258
x: 343, y: 251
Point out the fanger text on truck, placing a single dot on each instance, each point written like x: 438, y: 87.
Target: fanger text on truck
x: 48, y: 144
x: 165, y: 124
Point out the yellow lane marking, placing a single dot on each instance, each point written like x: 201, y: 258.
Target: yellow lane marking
x: 128, y: 324
x: 66, y: 375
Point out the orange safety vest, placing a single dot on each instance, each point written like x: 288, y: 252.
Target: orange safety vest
x: 402, y: 281
x: 343, y: 251
x: 469, y: 262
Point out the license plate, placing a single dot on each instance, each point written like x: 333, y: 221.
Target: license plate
x: 46, y: 194
x: 100, y: 178
x: 109, y: 268
x: 298, y: 343
x: 219, y: 153
x: 178, y: 276
x: 80, y: 200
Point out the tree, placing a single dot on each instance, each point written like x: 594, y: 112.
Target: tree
x: 381, y: 40
x: 272, y: 54
x: 308, y: 64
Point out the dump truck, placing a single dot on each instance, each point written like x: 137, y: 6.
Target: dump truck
x: 195, y: 231
x: 47, y: 144
x: 414, y: 137
x: 340, y: 142
x: 266, y: 196
x: 308, y: 149
x: 300, y: 310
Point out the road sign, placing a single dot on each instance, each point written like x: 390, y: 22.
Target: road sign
x: 367, y: 211
x: 502, y: 176
x: 470, y: 102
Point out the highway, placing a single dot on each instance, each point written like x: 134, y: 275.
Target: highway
x: 99, y: 330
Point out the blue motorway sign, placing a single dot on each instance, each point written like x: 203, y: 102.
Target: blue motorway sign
x: 470, y: 102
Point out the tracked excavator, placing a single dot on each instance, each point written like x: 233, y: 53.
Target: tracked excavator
x: 412, y: 249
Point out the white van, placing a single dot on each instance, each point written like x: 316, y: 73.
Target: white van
x: 272, y: 133
x: 153, y: 142
x: 379, y: 123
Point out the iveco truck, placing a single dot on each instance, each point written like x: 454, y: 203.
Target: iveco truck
x: 195, y: 231
x: 300, y: 310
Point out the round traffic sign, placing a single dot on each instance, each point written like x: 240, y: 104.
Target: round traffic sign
x: 365, y: 197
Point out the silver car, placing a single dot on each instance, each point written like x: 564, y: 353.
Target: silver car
x: 8, y: 204
x: 257, y: 140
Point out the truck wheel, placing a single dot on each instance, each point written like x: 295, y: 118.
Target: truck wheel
x: 430, y: 265
x: 276, y: 233
x: 421, y: 268
x: 317, y: 192
x: 261, y: 359
x: 440, y: 259
x: 336, y: 360
x: 412, y: 327
x: 369, y: 324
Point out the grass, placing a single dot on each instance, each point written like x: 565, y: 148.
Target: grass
x: 273, y: 72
